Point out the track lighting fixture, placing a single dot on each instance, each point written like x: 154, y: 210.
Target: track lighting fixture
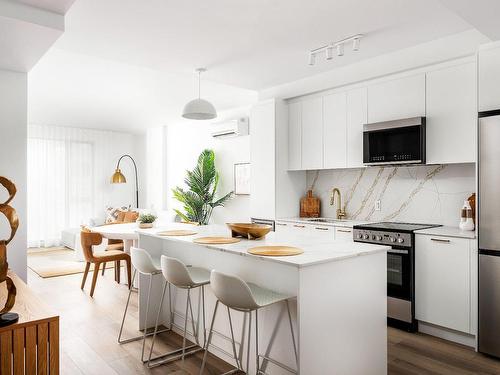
x: 329, y: 52
x: 355, y: 44
x: 312, y: 59
x: 339, y: 46
x: 340, y: 49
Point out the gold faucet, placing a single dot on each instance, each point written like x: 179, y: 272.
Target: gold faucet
x: 340, y: 210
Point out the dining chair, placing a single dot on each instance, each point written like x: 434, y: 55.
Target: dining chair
x: 90, y: 239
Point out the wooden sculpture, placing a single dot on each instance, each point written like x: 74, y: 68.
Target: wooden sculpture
x: 7, y: 318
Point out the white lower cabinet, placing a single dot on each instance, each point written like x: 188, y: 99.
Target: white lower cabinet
x: 306, y: 229
x: 443, y: 283
x: 343, y: 233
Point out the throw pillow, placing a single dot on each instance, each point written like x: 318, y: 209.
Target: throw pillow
x: 131, y: 217
x: 112, y: 213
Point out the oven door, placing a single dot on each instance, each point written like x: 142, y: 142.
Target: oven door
x: 394, y: 142
x: 399, y: 274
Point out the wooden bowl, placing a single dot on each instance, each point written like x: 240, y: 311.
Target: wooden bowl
x: 250, y: 231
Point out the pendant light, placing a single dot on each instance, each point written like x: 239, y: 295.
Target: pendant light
x: 199, y: 109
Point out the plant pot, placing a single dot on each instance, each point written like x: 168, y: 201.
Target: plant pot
x: 145, y: 225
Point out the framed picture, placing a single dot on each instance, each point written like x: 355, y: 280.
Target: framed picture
x: 242, y: 179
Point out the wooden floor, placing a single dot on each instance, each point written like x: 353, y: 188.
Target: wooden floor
x: 89, y: 329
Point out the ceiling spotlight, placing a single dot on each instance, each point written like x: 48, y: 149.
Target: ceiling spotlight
x: 329, y: 52
x: 340, y: 49
x: 355, y: 44
x: 312, y: 59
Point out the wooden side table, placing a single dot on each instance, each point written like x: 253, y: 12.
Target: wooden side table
x: 31, y: 346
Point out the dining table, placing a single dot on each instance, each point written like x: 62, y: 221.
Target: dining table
x: 127, y: 232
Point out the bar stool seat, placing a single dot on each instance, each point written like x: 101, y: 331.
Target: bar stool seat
x: 200, y: 276
x: 265, y: 297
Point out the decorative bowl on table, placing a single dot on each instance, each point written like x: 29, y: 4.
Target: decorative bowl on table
x: 145, y: 225
x: 250, y: 231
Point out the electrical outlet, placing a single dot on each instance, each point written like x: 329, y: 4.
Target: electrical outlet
x: 378, y: 205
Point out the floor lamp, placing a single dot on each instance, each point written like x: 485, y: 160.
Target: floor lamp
x: 119, y: 178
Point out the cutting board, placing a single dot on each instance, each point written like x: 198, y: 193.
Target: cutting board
x: 275, y: 251
x: 216, y: 240
x: 180, y: 232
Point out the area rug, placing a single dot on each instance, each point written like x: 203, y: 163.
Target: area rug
x: 56, y: 261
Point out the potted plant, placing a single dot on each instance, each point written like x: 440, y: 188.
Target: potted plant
x: 200, y: 199
x: 146, y: 220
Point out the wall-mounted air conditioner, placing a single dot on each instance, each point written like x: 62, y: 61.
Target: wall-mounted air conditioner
x: 230, y: 128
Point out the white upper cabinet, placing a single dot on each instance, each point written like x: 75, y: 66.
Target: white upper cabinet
x: 451, y: 115
x: 397, y: 99
x: 295, y: 136
x: 312, y: 133
x: 489, y: 78
x: 357, y: 116
x: 334, y: 130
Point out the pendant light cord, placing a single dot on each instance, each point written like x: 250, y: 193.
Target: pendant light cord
x: 199, y: 84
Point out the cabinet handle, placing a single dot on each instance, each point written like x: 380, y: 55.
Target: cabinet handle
x: 440, y: 240
x: 299, y: 226
x: 319, y: 228
x: 344, y: 230
x: 282, y: 224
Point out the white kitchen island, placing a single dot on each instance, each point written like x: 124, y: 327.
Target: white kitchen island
x: 339, y: 312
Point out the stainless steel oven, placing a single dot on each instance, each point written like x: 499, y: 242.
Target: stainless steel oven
x: 400, y: 267
x: 394, y: 142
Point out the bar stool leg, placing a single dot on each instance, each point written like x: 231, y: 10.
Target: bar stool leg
x: 146, y: 318
x: 195, y: 329
x: 157, y: 321
x: 293, y: 335
x: 209, y: 338
x: 125, y: 313
x: 238, y: 364
x: 249, y: 339
x: 203, y: 316
x: 185, y: 326
x: 257, y: 362
x: 171, y: 317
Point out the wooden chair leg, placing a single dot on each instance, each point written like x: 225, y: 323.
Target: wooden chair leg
x: 129, y: 273
x: 117, y: 270
x: 94, y: 278
x: 103, y: 268
x: 87, y: 267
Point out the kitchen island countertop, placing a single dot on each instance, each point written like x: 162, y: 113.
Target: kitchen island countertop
x: 317, y: 249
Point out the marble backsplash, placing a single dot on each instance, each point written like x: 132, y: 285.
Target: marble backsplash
x: 420, y: 194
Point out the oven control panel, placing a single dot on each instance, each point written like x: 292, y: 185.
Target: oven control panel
x: 385, y: 238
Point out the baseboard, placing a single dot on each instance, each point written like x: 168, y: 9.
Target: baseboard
x: 447, y: 334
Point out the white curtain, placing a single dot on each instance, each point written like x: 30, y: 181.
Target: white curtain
x: 68, y: 178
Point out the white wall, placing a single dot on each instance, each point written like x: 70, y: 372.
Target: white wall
x: 13, y: 120
x: 423, y: 194
x: 185, y: 141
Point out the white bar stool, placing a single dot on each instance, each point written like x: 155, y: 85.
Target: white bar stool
x: 144, y: 264
x: 178, y: 274
x: 238, y: 295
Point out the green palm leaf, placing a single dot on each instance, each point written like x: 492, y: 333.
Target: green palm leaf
x: 200, y: 200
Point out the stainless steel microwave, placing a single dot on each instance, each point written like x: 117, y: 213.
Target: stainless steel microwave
x: 394, y: 142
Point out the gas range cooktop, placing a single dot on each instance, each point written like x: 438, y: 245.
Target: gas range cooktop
x: 395, y: 226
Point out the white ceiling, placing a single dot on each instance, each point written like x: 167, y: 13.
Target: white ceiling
x: 128, y: 64
x: 253, y: 44
x: 69, y: 89
x: 28, y: 29
x: 56, y: 6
